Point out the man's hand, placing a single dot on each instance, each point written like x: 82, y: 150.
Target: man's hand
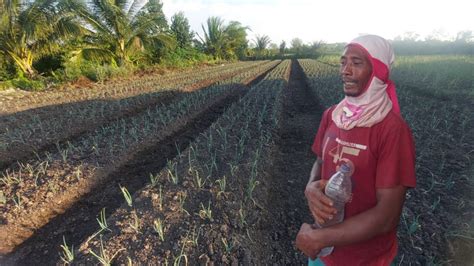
x: 319, y: 204
x: 306, y: 241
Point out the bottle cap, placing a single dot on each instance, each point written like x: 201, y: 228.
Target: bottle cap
x: 345, y: 168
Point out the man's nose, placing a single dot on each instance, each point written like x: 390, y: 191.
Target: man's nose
x: 346, y: 69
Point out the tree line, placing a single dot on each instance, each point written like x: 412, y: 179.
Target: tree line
x: 74, y: 37
x: 60, y: 40
x: 65, y: 39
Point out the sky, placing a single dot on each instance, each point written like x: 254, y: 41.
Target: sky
x: 331, y: 20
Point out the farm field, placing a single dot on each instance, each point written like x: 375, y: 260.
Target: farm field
x: 209, y: 165
x: 73, y: 112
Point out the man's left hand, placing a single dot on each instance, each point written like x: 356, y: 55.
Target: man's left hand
x: 306, y: 241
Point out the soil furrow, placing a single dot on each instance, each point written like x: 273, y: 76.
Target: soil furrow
x: 78, y: 221
x: 292, y: 164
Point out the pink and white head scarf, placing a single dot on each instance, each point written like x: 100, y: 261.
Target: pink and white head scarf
x: 379, y: 97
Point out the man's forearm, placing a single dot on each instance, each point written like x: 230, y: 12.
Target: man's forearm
x: 376, y: 221
x: 356, y: 229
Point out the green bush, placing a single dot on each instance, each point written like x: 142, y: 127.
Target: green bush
x: 93, y: 71
x: 25, y: 84
x: 7, y: 69
x: 105, y: 72
x: 185, y: 57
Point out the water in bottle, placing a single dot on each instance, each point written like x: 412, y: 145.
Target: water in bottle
x: 339, y: 190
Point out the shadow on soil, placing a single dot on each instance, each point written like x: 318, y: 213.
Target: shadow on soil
x: 292, y: 164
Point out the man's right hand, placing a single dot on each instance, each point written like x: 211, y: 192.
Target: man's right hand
x: 319, y: 204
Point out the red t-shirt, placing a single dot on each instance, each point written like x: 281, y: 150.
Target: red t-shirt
x: 383, y: 156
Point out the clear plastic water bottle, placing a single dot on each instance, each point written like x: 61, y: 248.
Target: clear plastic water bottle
x: 339, y: 190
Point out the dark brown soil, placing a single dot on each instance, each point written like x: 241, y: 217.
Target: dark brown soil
x: 78, y: 222
x: 291, y: 167
x: 42, y: 248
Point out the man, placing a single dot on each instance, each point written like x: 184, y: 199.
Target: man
x: 366, y: 131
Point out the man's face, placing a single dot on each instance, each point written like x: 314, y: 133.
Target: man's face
x: 355, y: 70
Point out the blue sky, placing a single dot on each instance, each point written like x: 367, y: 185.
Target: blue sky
x: 331, y: 20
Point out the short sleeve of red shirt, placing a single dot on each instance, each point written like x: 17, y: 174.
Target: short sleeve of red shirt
x: 395, y: 145
x: 318, y: 140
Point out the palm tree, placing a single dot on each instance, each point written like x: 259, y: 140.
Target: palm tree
x: 261, y: 43
x: 223, y: 41
x: 121, y: 28
x: 32, y: 29
x: 213, y: 41
x: 236, y: 36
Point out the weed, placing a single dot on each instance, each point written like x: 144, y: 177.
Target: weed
x: 127, y: 196
x: 67, y: 255
x: 414, y: 226
x: 198, y: 180
x: 160, y: 198
x: 252, y: 184
x: 435, y: 204
x: 172, y: 169
x: 103, y: 257
x: 102, y: 220
x: 78, y: 172
x: 10, y: 178
x: 222, y: 185
x: 177, y: 260
x: 227, y: 246
x: 195, y: 237
x: 135, y: 223
x: 182, y: 199
x: 233, y: 169
x: 154, y: 179
x: 178, y: 151
x: 242, y: 216
x: 17, y: 200
x: 206, y: 213
x: 158, y: 226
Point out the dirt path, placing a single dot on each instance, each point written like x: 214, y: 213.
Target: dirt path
x: 292, y: 164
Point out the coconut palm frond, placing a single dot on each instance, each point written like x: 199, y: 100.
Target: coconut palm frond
x: 30, y: 29
x: 123, y: 27
x: 93, y: 54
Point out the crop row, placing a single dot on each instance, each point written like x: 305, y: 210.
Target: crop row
x: 32, y: 131
x: 116, y: 89
x: 57, y: 179
x: 324, y: 81
x: 440, y: 75
x: 203, y: 205
x: 113, y: 95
